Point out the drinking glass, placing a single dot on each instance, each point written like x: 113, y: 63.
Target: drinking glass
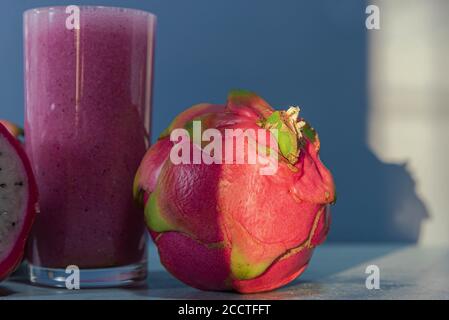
x: 88, y: 89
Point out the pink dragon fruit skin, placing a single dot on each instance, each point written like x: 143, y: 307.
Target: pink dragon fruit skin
x: 15, y: 130
x: 226, y: 226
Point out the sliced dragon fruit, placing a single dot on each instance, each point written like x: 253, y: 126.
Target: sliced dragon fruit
x: 18, y: 201
x: 14, y: 129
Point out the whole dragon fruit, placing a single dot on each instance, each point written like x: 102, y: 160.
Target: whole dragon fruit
x: 226, y: 226
x: 18, y: 201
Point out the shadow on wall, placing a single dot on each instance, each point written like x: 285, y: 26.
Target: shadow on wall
x: 378, y: 201
x: 310, y: 53
x: 299, y: 52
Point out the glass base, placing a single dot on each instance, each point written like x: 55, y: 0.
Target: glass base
x: 124, y: 276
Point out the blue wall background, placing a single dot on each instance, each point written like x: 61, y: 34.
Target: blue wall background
x: 309, y: 53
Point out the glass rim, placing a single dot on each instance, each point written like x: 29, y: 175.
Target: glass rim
x: 39, y: 10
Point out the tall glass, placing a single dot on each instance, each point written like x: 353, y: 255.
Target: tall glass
x: 88, y: 77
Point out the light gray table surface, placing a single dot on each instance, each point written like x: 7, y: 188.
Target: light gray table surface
x: 337, y: 271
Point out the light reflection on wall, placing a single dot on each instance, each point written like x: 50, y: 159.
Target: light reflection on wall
x: 409, y: 101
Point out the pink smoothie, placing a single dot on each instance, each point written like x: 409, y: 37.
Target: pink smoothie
x: 87, y: 122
